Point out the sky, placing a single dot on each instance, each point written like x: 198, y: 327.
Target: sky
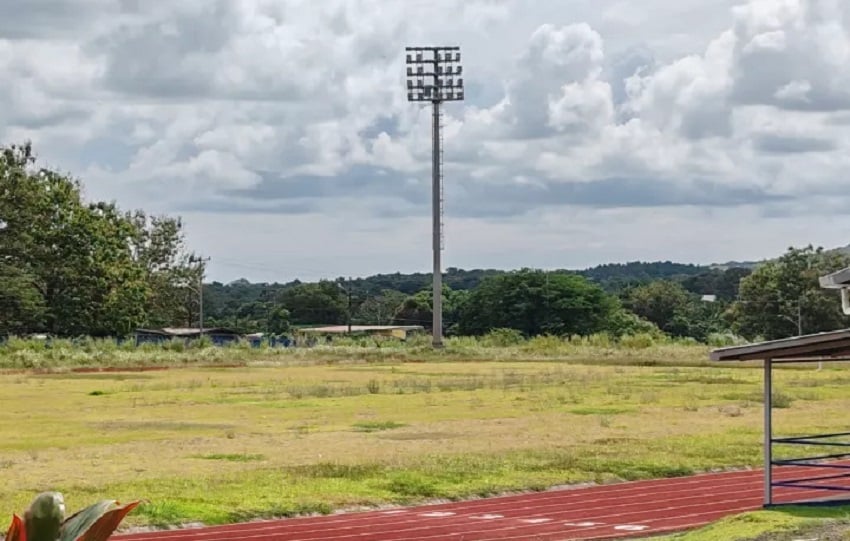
x: 592, y: 131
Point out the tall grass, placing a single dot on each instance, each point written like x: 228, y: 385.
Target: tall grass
x: 501, y: 344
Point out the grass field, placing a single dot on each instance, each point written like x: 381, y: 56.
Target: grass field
x: 317, y: 430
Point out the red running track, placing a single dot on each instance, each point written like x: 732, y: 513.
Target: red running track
x: 624, y: 510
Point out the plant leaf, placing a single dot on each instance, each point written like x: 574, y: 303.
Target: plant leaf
x: 17, y: 530
x: 96, y: 522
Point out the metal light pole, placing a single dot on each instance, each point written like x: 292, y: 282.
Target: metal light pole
x: 434, y: 75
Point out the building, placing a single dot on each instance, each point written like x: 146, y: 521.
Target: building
x: 218, y: 335
x: 396, y: 331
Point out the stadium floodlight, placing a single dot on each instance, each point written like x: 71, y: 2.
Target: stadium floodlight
x: 434, y: 75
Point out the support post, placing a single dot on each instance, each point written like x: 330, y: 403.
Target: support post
x: 768, y: 432
x: 201, y: 304
x: 349, y: 305
x: 436, y: 195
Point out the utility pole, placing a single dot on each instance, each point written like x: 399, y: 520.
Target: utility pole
x: 433, y: 75
x: 349, y: 305
x: 348, y: 294
x: 202, y: 266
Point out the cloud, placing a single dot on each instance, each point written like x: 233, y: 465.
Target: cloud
x: 295, y: 111
x: 781, y: 144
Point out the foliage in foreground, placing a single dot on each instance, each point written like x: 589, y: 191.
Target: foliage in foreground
x: 45, y: 520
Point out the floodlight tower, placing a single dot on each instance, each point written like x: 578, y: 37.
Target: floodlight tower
x: 434, y: 75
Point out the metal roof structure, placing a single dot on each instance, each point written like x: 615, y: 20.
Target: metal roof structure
x: 820, y: 347
x: 342, y: 329
x: 825, y: 346
x: 186, y: 332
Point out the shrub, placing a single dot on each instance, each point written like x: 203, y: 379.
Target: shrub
x: 720, y: 340
x: 637, y: 341
x: 502, y: 338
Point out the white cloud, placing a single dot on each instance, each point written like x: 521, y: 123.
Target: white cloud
x: 591, y: 131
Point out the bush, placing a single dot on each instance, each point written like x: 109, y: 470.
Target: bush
x: 637, y: 341
x: 545, y: 343
x: 600, y: 340
x: 502, y: 338
x: 623, y: 323
x: 726, y: 339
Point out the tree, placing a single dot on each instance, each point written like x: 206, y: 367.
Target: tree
x: 418, y: 309
x: 71, y: 267
x: 315, y: 303
x: 722, y: 283
x: 379, y: 309
x: 172, y: 274
x: 675, y: 310
x: 536, y: 302
x: 278, y: 321
x: 74, y: 254
x: 659, y: 302
x: 21, y: 304
x: 783, y: 297
x: 415, y: 310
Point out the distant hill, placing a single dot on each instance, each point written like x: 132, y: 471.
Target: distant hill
x: 753, y: 264
x: 736, y: 265
x: 613, y: 276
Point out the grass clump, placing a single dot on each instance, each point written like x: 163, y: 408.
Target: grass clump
x: 232, y: 457
x: 376, y: 426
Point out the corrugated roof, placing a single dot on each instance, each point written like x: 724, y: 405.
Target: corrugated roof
x: 812, y: 346
x: 186, y: 331
x: 362, y: 328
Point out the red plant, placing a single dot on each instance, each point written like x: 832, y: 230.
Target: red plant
x: 44, y: 520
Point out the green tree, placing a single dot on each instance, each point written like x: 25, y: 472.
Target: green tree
x: 415, y: 310
x: 321, y: 303
x: 418, y: 309
x: 278, y: 321
x: 783, y: 296
x: 172, y: 273
x: 379, y: 309
x: 71, y: 267
x: 623, y: 322
x: 21, y: 304
x: 74, y: 254
x: 675, y: 310
x: 536, y: 302
x: 722, y: 283
x: 659, y: 302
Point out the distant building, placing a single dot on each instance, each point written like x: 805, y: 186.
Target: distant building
x: 218, y: 335
x: 397, y: 331
x: 709, y: 298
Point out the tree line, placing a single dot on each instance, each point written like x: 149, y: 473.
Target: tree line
x: 71, y: 267
x: 778, y: 298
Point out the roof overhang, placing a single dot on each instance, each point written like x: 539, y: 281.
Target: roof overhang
x: 833, y: 345
x: 836, y: 280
